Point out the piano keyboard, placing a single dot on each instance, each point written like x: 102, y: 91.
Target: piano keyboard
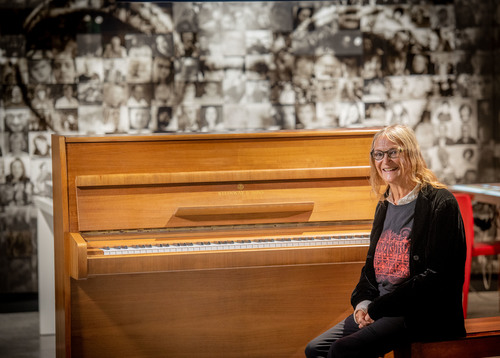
x: 341, y: 239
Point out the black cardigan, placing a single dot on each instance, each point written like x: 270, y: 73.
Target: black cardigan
x: 431, y: 298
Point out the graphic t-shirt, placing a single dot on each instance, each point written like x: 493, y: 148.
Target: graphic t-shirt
x: 392, y: 255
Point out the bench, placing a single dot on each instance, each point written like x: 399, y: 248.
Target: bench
x: 482, y: 340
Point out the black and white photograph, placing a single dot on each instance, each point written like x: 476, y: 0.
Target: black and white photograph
x: 89, y: 69
x: 17, y: 143
x: 209, y: 92
x: 211, y: 119
x: 40, y: 71
x: 16, y: 119
x: 115, y: 94
x: 140, y: 119
x: 188, y: 118
x: 13, y: 96
x: 66, y: 96
x: 139, y: 95
x: 64, y: 70
x: 115, y: 70
x: 163, y: 45
x: 67, y: 121
x: 164, y: 120
x: 114, y: 46
x: 115, y: 120
x: 90, y: 120
x: 188, y: 45
x: 138, y: 45
x: 89, y: 45
x: 139, y: 70
x: 40, y: 145
x: 90, y: 93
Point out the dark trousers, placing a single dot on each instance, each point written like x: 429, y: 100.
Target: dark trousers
x: 346, y: 340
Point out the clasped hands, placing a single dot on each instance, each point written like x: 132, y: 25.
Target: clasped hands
x: 363, y: 319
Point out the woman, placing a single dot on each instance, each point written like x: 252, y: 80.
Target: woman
x: 17, y: 172
x: 411, y: 285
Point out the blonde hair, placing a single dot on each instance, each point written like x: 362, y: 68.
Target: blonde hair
x: 411, y: 159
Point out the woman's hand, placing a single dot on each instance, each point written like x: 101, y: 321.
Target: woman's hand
x: 363, y: 319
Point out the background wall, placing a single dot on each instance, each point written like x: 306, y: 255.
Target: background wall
x: 107, y: 67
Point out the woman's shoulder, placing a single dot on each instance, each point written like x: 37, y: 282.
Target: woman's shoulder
x: 437, y: 194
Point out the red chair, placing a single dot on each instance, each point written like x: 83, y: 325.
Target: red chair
x: 465, y: 204
x: 473, y: 249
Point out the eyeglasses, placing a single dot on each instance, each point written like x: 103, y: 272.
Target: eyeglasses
x: 392, y: 153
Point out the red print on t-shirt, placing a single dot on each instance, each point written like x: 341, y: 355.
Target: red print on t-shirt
x: 392, y: 255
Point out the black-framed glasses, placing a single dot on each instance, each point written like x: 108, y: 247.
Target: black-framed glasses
x: 392, y: 153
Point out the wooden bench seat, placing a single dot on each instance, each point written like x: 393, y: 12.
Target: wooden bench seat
x: 482, y: 340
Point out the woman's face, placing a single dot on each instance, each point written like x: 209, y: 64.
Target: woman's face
x: 306, y: 114
x: 304, y: 14
x: 162, y: 44
x: 419, y: 64
x: 397, y: 65
x: 16, y: 140
x: 16, y: 94
x: 465, y: 113
x: 17, y: 169
x: 41, y: 71
x: 42, y: 145
x: 390, y: 170
x: 64, y: 70
x: 163, y: 68
x: 139, y: 118
x: 41, y: 94
x: 211, y: 115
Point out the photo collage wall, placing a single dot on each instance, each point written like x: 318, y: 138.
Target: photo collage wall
x: 98, y: 67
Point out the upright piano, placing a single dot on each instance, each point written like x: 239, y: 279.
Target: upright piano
x: 207, y: 245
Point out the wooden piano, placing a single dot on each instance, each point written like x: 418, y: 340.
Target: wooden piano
x: 207, y: 245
